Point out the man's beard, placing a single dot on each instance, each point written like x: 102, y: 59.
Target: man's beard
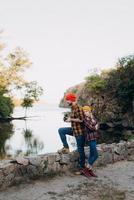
x: 70, y: 104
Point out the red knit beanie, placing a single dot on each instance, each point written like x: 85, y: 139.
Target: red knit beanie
x: 70, y: 97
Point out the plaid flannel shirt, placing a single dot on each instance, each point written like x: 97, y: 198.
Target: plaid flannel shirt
x: 77, y: 113
x: 90, y: 129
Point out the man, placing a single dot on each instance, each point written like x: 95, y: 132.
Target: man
x: 76, y: 118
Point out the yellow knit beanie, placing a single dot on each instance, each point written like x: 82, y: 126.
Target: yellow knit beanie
x: 87, y: 108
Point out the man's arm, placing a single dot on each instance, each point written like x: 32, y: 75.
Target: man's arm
x: 79, y: 115
x: 75, y: 120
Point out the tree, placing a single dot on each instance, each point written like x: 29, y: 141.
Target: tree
x: 125, y: 90
x: 113, y: 91
x: 31, y: 94
x: 27, y: 103
x: 33, y: 145
x: 120, y: 82
x: 6, y: 131
x: 12, y: 68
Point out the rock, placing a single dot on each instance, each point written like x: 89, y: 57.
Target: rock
x: 44, y: 164
x: 35, y: 161
x: 130, y: 158
x: 107, y: 157
x: 100, y: 150
x: 49, y: 164
x: 110, y: 124
x: 51, y: 158
x: 130, y: 144
x: 22, y: 161
x: 8, y: 168
x: 57, y: 157
x: 65, y: 159
x: 56, y: 167
x: 110, y: 130
x: 74, y: 156
x: 1, y: 178
x: 9, y: 178
x: 32, y: 171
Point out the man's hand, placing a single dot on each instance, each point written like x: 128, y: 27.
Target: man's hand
x: 68, y: 119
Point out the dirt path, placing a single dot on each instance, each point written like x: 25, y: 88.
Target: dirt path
x: 114, y: 182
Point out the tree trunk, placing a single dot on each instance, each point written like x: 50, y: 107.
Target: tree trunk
x: 26, y: 112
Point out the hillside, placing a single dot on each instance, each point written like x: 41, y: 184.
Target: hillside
x: 111, y: 95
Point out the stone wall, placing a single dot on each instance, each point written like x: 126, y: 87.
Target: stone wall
x: 53, y: 163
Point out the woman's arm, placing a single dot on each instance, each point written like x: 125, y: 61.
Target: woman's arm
x: 91, y: 124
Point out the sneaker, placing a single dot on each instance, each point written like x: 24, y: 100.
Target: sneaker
x: 64, y: 150
x: 92, y: 173
x: 85, y: 172
x: 89, y: 167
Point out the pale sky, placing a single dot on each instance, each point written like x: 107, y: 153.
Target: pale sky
x: 67, y: 38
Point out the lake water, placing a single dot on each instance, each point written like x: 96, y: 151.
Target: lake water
x: 38, y: 134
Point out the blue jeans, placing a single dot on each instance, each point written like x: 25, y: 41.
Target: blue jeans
x: 80, y: 140
x: 93, y: 152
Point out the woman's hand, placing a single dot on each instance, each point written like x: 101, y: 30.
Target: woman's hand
x: 96, y: 127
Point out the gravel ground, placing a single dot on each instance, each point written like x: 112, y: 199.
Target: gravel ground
x: 114, y: 182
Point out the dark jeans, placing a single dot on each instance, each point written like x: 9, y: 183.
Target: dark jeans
x: 93, y: 152
x: 80, y: 140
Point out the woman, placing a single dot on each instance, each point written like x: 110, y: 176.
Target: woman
x: 91, y: 129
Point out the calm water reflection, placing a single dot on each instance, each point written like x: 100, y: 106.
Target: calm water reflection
x: 37, y: 135
x: 6, y: 132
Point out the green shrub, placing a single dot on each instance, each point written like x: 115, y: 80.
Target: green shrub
x: 118, y: 83
x: 95, y: 83
x: 6, y: 106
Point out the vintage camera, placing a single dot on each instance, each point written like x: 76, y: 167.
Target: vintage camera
x: 66, y: 116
